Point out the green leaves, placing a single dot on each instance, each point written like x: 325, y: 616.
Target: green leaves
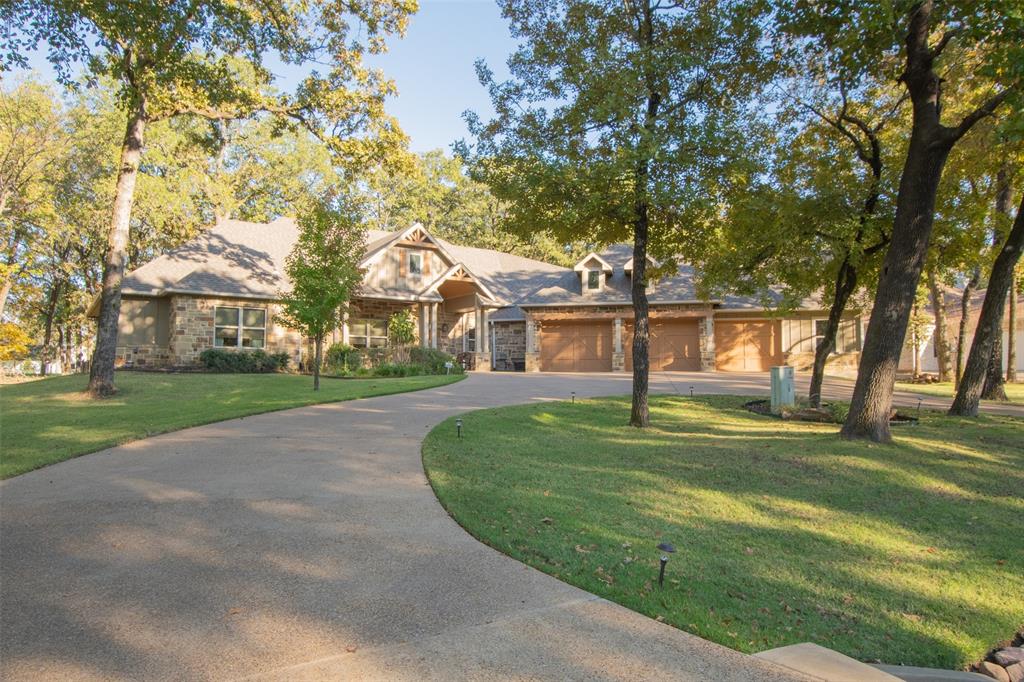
x: 324, y: 265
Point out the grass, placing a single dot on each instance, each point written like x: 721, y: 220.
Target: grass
x: 51, y: 420
x: 1015, y: 392
x: 910, y: 553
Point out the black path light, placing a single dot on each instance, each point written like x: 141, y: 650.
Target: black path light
x: 691, y: 391
x: 919, y: 401
x: 574, y: 397
x: 668, y: 549
x: 458, y: 427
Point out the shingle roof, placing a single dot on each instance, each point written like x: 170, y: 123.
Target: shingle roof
x: 234, y: 258
x: 238, y: 258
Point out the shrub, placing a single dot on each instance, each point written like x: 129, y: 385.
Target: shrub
x: 434, y: 360
x: 342, y: 358
x: 243, y: 362
x: 839, y: 412
x: 399, y: 369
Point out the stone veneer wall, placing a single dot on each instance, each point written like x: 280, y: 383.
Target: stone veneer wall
x: 149, y: 355
x: 510, y: 341
x: 192, y: 327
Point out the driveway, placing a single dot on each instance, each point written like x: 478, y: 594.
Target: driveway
x: 306, y: 544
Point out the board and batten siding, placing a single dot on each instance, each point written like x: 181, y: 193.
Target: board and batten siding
x: 389, y: 271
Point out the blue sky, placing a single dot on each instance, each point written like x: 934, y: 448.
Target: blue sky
x: 432, y: 67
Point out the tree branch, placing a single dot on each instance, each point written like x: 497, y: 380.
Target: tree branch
x: 951, y: 135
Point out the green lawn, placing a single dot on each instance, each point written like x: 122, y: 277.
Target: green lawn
x: 47, y: 421
x: 1015, y: 392
x: 911, y: 553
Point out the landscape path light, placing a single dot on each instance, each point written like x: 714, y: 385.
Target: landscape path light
x: 668, y: 549
x: 458, y: 427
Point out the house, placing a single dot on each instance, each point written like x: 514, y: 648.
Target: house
x: 927, y: 354
x: 221, y: 290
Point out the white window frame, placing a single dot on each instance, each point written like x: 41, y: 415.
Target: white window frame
x: 365, y: 322
x: 408, y: 263
x: 835, y: 349
x: 241, y: 327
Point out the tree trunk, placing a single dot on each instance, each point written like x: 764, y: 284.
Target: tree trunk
x: 846, y: 284
x: 930, y: 144
x: 990, y: 322
x: 5, y: 290
x: 965, y: 312
x: 101, y: 374
x: 51, y: 310
x: 640, y: 415
x: 1011, y: 349
x: 941, y: 332
x: 318, y: 344
x: 897, y: 287
x: 994, y: 387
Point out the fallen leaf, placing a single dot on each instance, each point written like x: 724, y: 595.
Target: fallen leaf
x: 548, y: 520
x: 351, y: 648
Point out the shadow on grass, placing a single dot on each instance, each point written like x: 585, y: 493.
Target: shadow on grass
x: 785, y: 534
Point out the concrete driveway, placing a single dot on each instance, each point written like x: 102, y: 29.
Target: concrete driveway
x: 307, y: 544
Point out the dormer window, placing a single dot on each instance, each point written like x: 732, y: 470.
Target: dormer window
x: 415, y: 264
x: 593, y: 269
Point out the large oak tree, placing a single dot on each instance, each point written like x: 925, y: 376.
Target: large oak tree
x: 208, y: 58
x: 613, y: 119
x: 870, y: 36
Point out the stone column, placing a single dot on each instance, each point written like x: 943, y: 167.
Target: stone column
x: 618, y: 356
x: 707, y: 343
x: 532, y: 346
x: 344, y: 328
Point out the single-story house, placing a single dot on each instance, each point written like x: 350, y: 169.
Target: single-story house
x: 927, y: 354
x: 221, y: 290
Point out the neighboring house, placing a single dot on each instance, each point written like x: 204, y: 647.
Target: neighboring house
x: 221, y: 290
x: 927, y: 356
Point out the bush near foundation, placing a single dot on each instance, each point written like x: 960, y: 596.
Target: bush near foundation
x: 243, y: 362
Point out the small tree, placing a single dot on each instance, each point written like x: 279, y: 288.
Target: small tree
x: 402, y: 330
x: 14, y: 343
x: 324, y: 271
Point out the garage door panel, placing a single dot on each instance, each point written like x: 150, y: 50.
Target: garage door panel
x: 674, y: 346
x: 750, y: 346
x: 576, y: 347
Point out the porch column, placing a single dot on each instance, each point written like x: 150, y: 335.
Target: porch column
x: 344, y: 328
x: 421, y: 317
x: 433, y: 325
x: 483, y: 339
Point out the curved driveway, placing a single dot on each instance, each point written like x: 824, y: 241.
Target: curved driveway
x: 307, y: 544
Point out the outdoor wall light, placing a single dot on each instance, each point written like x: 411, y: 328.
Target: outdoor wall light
x: 668, y: 549
x: 444, y: 327
x: 458, y: 427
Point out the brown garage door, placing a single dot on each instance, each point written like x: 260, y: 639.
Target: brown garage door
x: 675, y: 345
x: 576, y: 346
x: 747, y: 346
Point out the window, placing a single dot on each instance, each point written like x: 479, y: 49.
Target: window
x: 847, y: 336
x: 368, y: 333
x: 819, y: 334
x: 416, y: 264
x: 469, y: 341
x: 239, y: 327
x: 593, y: 279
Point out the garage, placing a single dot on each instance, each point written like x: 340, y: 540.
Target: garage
x: 747, y: 346
x: 576, y: 346
x: 675, y: 345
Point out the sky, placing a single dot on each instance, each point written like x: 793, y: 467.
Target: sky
x: 432, y: 68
